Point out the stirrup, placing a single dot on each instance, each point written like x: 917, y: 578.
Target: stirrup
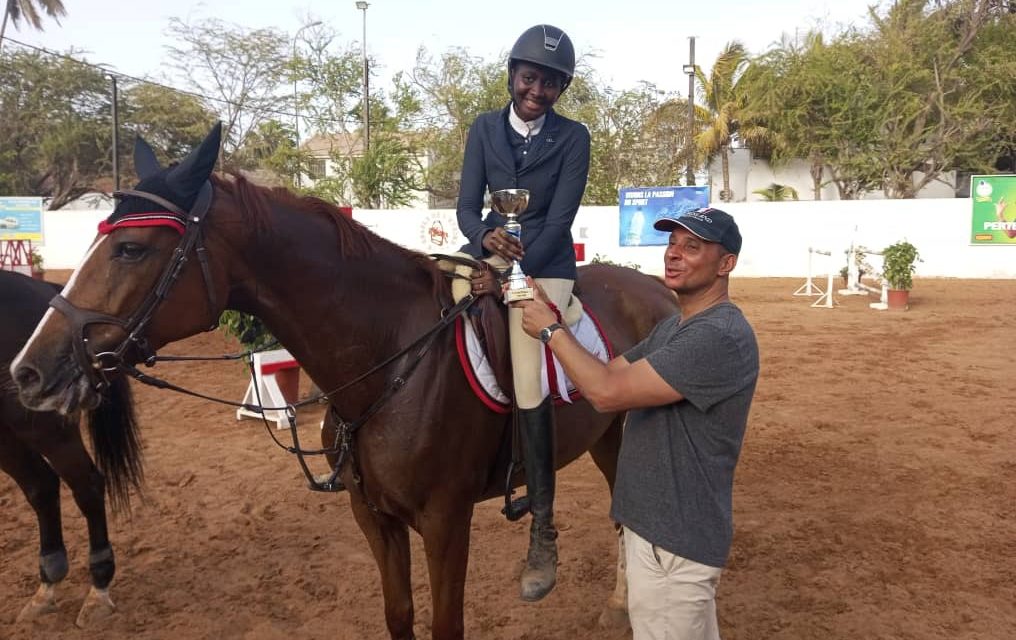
x: 513, y: 509
x: 321, y: 483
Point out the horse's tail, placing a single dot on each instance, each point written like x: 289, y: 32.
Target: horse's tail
x: 114, y: 432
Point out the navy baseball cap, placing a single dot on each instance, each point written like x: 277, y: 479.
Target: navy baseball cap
x: 707, y: 223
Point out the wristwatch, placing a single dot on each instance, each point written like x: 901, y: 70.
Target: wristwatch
x: 547, y: 332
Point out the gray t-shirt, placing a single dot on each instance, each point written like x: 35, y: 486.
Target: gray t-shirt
x: 675, y: 472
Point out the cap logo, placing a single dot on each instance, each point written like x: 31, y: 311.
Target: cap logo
x: 699, y: 214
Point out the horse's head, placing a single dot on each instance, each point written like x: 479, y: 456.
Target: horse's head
x: 144, y: 282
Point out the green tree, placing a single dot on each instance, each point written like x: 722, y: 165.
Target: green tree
x: 271, y: 148
x: 243, y: 70
x: 55, y: 128
x: 28, y: 10
x: 821, y: 105
x: 172, y: 122
x: 449, y: 92
x: 729, y: 104
x: 387, y: 174
x: 938, y: 114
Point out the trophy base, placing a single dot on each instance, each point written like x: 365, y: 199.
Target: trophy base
x: 516, y: 295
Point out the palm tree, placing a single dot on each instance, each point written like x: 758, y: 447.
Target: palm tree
x: 725, y: 97
x: 777, y: 192
x: 28, y: 10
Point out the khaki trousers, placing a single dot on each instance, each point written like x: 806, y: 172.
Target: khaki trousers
x: 669, y: 597
x: 525, y: 351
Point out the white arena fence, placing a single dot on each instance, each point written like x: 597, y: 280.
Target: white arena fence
x: 777, y: 235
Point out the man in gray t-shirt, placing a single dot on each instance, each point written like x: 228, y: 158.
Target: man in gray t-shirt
x: 688, y: 388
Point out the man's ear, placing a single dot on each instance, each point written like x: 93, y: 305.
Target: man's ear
x: 727, y: 263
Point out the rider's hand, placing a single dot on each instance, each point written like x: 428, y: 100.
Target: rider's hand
x: 501, y: 243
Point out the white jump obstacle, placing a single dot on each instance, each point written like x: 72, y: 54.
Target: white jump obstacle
x: 809, y: 288
x: 267, y: 365
x: 856, y: 287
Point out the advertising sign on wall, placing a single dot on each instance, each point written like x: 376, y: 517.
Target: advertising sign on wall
x: 21, y: 219
x: 993, y: 209
x: 641, y: 207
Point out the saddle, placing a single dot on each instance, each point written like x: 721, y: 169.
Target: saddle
x: 488, y: 316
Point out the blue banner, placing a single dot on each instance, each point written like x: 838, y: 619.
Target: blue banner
x: 21, y: 219
x: 641, y: 207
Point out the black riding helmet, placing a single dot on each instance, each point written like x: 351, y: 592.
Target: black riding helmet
x: 548, y: 47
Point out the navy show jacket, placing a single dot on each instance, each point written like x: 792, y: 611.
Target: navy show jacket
x: 554, y: 171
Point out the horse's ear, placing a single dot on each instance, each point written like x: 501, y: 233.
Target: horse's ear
x: 145, y: 163
x: 188, y: 176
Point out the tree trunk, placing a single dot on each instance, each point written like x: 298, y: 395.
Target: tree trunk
x: 3, y: 25
x: 725, y: 195
x: 816, y: 177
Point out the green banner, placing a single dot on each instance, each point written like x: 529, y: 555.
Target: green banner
x: 993, y: 204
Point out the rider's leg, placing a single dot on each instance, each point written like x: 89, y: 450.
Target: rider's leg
x: 536, y: 418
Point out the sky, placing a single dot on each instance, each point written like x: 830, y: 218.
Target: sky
x: 632, y: 40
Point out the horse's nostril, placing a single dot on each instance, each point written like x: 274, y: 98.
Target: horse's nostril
x: 27, y: 377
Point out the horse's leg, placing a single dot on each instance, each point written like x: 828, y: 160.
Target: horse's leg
x: 446, y: 542
x: 604, y: 454
x: 388, y: 538
x: 42, y: 490
x: 68, y: 457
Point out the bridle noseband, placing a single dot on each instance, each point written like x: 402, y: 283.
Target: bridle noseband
x: 96, y: 366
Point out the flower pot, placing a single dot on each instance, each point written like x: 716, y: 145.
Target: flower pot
x: 898, y: 299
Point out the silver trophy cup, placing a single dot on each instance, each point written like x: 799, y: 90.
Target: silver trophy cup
x: 510, y: 203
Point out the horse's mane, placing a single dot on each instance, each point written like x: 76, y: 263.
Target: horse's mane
x: 355, y: 240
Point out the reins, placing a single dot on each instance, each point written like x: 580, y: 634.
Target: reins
x: 346, y: 429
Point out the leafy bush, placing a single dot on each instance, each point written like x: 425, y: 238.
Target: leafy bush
x: 248, y: 329
x: 899, y: 264
x: 598, y: 259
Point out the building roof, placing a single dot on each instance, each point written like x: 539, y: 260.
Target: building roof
x: 347, y: 144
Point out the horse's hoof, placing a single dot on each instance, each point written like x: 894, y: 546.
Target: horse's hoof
x: 97, y: 607
x: 611, y: 618
x: 42, y: 603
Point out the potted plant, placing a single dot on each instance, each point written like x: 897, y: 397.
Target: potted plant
x: 898, y: 271
x: 38, y: 272
x: 254, y: 335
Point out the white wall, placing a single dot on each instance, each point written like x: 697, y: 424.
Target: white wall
x: 68, y: 233
x: 748, y: 174
x: 776, y: 235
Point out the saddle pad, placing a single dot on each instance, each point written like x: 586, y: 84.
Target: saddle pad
x: 478, y: 371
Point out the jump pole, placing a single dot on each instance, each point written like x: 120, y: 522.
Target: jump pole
x: 809, y: 288
x: 825, y: 300
x: 855, y: 287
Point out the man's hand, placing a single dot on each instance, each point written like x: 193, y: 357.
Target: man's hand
x: 1000, y: 209
x: 536, y: 313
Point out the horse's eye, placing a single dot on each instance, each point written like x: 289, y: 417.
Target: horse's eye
x: 130, y: 251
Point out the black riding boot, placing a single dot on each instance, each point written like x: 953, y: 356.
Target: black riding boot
x: 540, y: 574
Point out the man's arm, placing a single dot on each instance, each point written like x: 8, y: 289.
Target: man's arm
x: 614, y: 386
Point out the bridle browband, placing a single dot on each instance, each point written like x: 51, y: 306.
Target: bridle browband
x: 96, y: 366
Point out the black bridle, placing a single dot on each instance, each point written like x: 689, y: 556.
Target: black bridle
x: 97, y: 366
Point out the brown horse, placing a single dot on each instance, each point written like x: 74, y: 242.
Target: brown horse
x: 341, y: 299
x: 38, y: 449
